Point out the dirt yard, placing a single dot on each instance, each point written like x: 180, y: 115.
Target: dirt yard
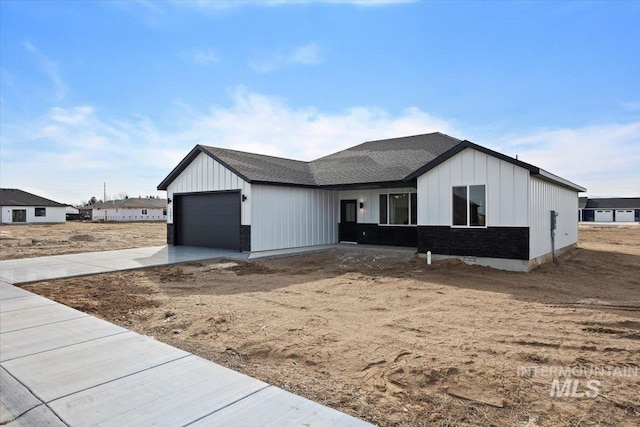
x: 384, y: 337
x: 34, y: 240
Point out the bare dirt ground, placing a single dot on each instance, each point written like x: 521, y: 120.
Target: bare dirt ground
x: 384, y: 337
x: 34, y: 240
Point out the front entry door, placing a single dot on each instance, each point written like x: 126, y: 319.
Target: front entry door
x: 348, y: 221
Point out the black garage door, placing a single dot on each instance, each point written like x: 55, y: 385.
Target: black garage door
x: 211, y: 220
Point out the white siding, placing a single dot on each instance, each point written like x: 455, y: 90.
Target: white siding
x: 206, y: 174
x: 506, y: 186
x: 545, y: 197
x: 291, y: 217
x: 370, y: 214
x: 128, y: 214
x: 52, y: 214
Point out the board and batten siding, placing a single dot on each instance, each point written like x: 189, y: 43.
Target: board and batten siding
x: 370, y: 214
x: 507, y: 189
x: 292, y: 217
x: 545, y: 197
x: 52, y: 214
x: 205, y: 174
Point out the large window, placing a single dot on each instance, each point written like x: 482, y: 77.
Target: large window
x: 399, y: 209
x: 41, y: 212
x: 469, y: 206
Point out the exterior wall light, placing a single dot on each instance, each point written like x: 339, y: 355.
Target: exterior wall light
x: 361, y: 205
x: 244, y: 198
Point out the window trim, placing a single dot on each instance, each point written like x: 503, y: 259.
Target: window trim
x: 409, y: 193
x: 43, y: 212
x: 486, y: 213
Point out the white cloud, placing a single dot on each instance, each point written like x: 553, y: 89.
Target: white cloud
x: 50, y: 69
x: 267, y: 125
x: 201, y: 56
x: 70, y: 152
x: 604, y: 158
x: 308, y: 54
x: 223, y: 5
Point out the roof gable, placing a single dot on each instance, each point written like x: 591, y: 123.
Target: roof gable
x: 15, y: 197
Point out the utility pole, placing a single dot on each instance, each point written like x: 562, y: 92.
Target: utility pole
x: 105, y: 192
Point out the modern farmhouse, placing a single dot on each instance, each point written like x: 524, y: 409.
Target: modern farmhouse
x: 20, y: 207
x: 432, y: 192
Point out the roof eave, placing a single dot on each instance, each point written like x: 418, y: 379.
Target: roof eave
x: 555, y: 179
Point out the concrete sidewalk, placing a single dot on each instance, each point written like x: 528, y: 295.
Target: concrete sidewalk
x: 59, y: 366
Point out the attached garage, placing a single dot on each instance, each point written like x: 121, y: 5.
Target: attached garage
x: 627, y: 215
x: 604, y: 215
x: 208, y: 219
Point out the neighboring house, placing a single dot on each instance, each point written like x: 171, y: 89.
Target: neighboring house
x: 20, y: 207
x: 612, y: 209
x: 132, y: 209
x: 432, y: 192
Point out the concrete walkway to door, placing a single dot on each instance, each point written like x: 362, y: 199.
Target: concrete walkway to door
x: 62, y: 367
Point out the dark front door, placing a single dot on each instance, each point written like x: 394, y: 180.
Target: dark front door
x: 348, y: 221
x: 19, y: 215
x: 211, y: 220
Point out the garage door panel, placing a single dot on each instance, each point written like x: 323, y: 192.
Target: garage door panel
x: 604, y: 215
x: 625, y: 215
x: 209, y: 220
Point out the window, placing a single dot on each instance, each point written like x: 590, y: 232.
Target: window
x: 144, y: 211
x: 41, y: 212
x: 164, y: 211
x: 399, y: 209
x: 469, y: 207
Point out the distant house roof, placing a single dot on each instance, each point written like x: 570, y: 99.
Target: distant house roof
x: 132, y: 203
x: 393, y: 161
x: 614, y: 203
x: 15, y: 197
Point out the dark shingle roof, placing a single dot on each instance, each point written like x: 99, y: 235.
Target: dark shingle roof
x: 258, y: 167
x: 614, y: 203
x: 382, y: 162
x: 133, y: 202
x: 15, y: 197
x: 387, y: 160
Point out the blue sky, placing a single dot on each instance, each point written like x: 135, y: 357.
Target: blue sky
x: 119, y: 92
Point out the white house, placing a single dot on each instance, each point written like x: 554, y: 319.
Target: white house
x: 131, y: 209
x: 432, y: 192
x: 20, y: 207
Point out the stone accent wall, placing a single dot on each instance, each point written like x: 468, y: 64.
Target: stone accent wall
x: 492, y: 242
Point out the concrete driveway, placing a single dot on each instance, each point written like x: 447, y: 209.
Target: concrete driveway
x: 59, y: 266
x: 59, y: 366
